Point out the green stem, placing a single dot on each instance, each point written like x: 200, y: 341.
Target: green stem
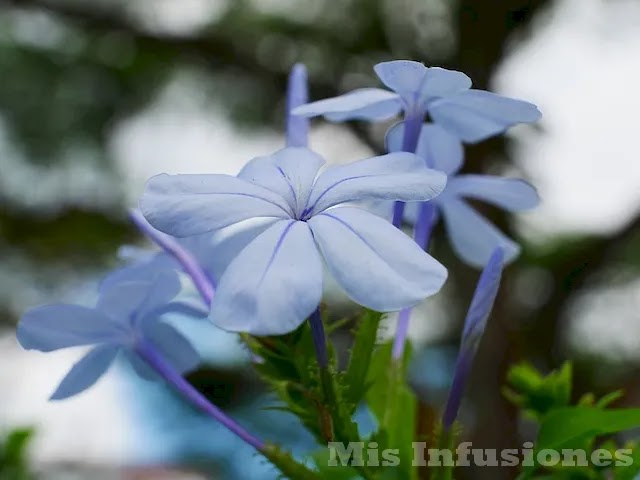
x: 289, y: 467
x: 446, y: 439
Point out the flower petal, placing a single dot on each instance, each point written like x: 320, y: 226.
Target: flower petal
x: 511, y: 194
x: 87, y: 371
x: 141, y: 268
x: 440, y: 150
x: 132, y: 300
x: 289, y: 172
x: 226, y: 244
x: 395, y: 176
x: 476, y: 115
x: 273, y: 285
x: 171, y: 344
x: 472, y: 236
x: 440, y: 82
x: 52, y: 327
x: 141, y: 367
x: 378, y: 266
x: 185, y: 205
x: 364, y: 103
x: 402, y: 76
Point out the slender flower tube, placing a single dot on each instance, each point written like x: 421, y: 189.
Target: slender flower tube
x: 421, y: 235
x: 297, y: 127
x: 413, y: 125
x: 422, y: 231
x: 157, y: 361
x: 182, y: 255
x: 319, y: 338
x: 474, y: 325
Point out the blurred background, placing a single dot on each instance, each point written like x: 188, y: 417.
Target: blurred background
x: 97, y: 96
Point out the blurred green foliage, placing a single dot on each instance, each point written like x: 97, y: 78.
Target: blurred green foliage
x: 14, y: 460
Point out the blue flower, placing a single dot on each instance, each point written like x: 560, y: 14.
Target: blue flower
x: 472, y: 236
x: 469, y: 115
x: 125, y: 318
x: 275, y: 282
x: 474, y: 325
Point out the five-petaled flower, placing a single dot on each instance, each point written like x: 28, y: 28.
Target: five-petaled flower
x: 275, y: 282
x: 470, y: 115
x: 472, y: 236
x: 125, y: 320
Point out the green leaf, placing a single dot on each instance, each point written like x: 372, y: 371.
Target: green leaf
x: 629, y: 472
x: 395, y: 407
x: 14, y: 463
x: 566, y: 425
x: 537, y: 394
x: 355, y: 376
x: 577, y: 427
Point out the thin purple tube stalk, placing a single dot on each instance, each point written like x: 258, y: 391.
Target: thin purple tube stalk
x: 319, y: 338
x: 421, y: 234
x: 183, y: 256
x: 412, y: 128
x: 177, y: 381
x: 482, y: 302
x: 397, y: 351
x: 297, y: 127
x: 462, y: 369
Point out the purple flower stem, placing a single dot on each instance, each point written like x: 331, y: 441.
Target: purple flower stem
x: 401, y: 334
x: 462, y: 369
x: 421, y: 234
x: 183, y: 256
x: 319, y: 339
x: 177, y: 381
x: 412, y: 128
x: 297, y: 127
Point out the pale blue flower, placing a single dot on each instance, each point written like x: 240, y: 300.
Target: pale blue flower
x: 469, y: 115
x: 127, y: 317
x: 275, y: 282
x: 474, y: 325
x: 472, y: 236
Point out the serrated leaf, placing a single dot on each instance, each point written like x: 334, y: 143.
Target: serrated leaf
x: 394, y: 405
x: 334, y: 472
x: 355, y: 376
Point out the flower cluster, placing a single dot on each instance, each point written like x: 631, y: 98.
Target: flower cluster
x: 258, y: 245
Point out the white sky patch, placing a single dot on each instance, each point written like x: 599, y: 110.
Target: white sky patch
x: 179, y: 134
x: 617, y: 339
x: 580, y: 69
x: 176, y: 17
x: 91, y: 427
